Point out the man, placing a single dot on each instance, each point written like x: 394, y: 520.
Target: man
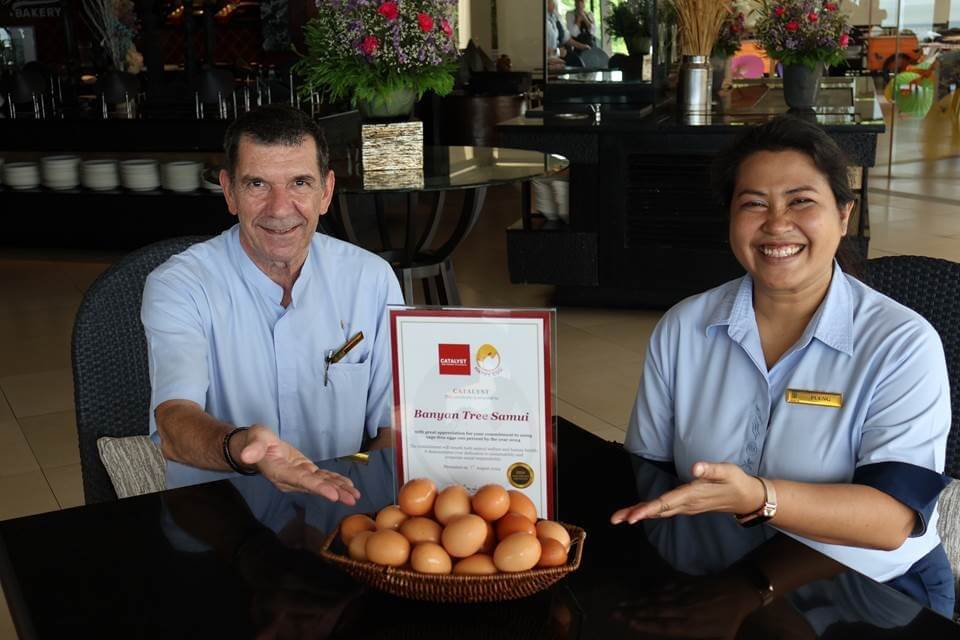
x: 256, y: 360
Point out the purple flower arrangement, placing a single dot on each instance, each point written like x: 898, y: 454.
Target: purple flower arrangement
x: 731, y: 33
x: 807, y: 32
x: 367, y: 49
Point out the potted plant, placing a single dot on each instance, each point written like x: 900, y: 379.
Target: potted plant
x: 630, y: 20
x: 804, y: 35
x: 382, y: 55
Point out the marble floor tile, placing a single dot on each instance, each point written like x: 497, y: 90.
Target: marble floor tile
x: 67, y: 485
x: 35, y: 394
x: 53, y: 438
x: 25, y: 494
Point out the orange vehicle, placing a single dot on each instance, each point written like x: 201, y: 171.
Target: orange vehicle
x: 882, y: 54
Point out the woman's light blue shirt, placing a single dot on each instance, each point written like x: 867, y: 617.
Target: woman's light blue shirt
x: 217, y: 335
x: 706, y: 394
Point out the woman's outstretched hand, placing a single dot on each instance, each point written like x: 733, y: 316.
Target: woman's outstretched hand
x: 717, y: 486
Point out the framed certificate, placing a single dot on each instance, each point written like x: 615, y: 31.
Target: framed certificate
x: 473, y: 398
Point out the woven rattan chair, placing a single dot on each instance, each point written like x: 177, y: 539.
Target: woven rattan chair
x: 111, y: 384
x: 931, y: 287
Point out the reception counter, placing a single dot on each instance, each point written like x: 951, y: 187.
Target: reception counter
x: 644, y: 228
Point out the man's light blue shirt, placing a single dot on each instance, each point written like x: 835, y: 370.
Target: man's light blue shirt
x: 218, y: 335
x: 706, y: 394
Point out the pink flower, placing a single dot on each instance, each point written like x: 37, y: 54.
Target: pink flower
x: 812, y: 17
x: 369, y: 45
x: 779, y: 11
x: 831, y: 6
x: 425, y: 21
x: 792, y: 26
x: 445, y: 27
x: 844, y: 39
x: 389, y: 10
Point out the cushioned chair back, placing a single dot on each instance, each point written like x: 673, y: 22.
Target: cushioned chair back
x: 931, y: 287
x: 111, y: 384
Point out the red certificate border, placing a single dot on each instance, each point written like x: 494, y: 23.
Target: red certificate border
x: 548, y: 425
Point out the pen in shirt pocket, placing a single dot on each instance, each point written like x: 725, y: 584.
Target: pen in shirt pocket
x: 334, y: 357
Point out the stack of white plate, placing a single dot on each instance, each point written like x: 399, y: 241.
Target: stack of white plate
x: 60, y: 172
x: 182, y: 175
x: 211, y: 180
x: 99, y: 175
x: 21, y: 175
x: 140, y: 174
x: 561, y: 196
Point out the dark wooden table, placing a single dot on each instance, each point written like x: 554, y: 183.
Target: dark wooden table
x: 238, y: 559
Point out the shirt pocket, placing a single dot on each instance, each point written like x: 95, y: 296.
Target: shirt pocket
x: 346, y: 399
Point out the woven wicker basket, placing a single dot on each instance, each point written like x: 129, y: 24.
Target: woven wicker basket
x: 407, y: 583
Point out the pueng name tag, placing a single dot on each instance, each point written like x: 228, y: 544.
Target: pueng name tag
x: 816, y: 398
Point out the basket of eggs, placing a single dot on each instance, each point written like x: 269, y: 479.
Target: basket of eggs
x: 450, y: 546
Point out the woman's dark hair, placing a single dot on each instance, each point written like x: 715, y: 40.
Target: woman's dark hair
x: 275, y: 124
x: 789, y: 133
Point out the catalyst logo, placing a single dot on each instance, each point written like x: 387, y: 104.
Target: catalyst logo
x: 454, y: 359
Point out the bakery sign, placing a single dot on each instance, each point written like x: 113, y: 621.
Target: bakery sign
x: 30, y: 9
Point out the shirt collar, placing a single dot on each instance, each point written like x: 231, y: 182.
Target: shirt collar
x: 252, y: 274
x: 832, y: 324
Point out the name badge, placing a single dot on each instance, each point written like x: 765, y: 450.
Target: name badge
x: 816, y: 398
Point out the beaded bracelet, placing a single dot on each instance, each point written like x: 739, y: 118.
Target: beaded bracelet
x: 229, y: 458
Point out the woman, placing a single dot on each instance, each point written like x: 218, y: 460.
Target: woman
x: 797, y: 393
x: 580, y: 24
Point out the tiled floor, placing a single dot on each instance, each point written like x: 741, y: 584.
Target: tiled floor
x: 600, y: 351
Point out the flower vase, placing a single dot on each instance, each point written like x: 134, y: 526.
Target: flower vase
x: 393, y: 106
x: 638, y: 45
x: 801, y: 85
x: 390, y: 140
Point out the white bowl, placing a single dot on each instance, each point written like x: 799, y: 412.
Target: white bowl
x: 52, y: 161
x: 183, y: 175
x: 140, y: 174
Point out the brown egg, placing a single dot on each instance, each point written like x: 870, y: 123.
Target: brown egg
x: 464, y: 535
x: 514, y: 523
x: 479, y: 564
x: 420, y: 529
x: 357, y: 548
x: 552, y: 553
x: 429, y: 557
x: 416, y: 497
x: 550, y: 529
x: 518, y: 552
x: 387, y: 547
x: 520, y: 503
x: 390, y: 517
x: 451, y: 502
x: 352, y: 525
x: 490, y: 540
x: 490, y: 502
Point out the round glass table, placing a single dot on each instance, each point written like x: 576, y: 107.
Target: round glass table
x: 422, y: 255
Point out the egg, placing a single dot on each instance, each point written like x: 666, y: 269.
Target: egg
x: 357, y: 549
x: 552, y: 553
x: 490, y: 502
x: 479, y: 564
x: 451, y: 502
x: 387, y: 547
x: 390, y: 517
x: 419, y: 529
x: 518, y: 552
x: 514, y: 523
x: 429, y: 557
x: 520, y: 503
x: 550, y: 529
x: 352, y: 525
x: 416, y: 497
x: 490, y: 540
x: 464, y: 535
